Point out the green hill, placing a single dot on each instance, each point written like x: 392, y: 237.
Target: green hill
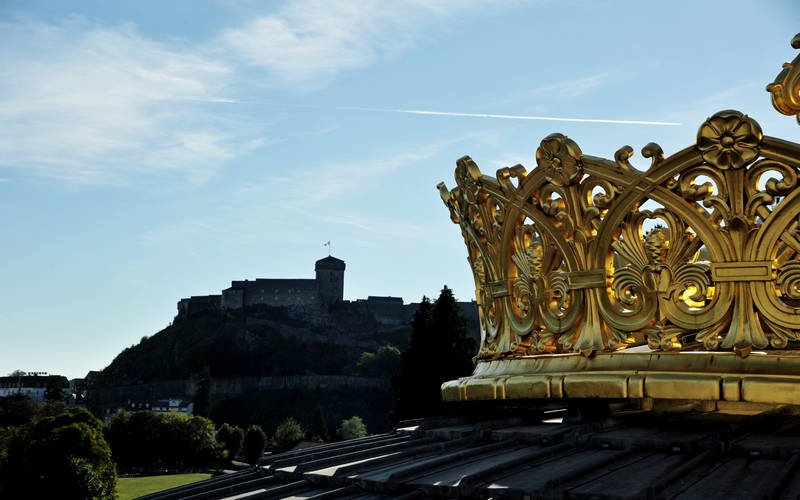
x: 260, y: 341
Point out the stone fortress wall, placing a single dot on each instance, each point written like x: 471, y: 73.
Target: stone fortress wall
x: 303, y: 295
x: 308, y: 296
x: 117, y: 395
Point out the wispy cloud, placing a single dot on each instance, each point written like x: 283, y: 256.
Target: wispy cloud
x: 101, y: 105
x: 512, y: 159
x: 337, y: 179
x: 307, y: 42
x: 96, y: 104
x: 370, y: 223
x: 565, y: 90
x: 315, y: 193
x: 736, y: 96
x: 184, y: 230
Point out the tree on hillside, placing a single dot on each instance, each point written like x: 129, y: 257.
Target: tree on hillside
x: 16, y: 410
x: 149, y: 441
x: 440, y: 349
x: 54, y: 391
x: 319, y: 426
x: 62, y: 456
x: 187, y: 442
x: 451, y: 339
x: 94, y: 402
x: 287, y: 434
x: 51, y: 409
x: 202, y: 395
x: 254, y: 443
x: 230, y: 438
x: 352, y: 428
x: 382, y: 363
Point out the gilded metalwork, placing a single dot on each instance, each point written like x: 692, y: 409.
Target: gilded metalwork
x: 711, y: 376
x: 595, y: 279
x: 584, y: 254
x: 785, y: 89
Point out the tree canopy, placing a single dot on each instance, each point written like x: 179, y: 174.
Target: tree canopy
x: 149, y: 441
x: 60, y: 456
x: 254, y: 443
x: 54, y: 390
x: 440, y: 349
x: 16, y: 410
x: 352, y: 428
x: 287, y: 434
x: 319, y: 425
x: 230, y: 437
x: 382, y: 363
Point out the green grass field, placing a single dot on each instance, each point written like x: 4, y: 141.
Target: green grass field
x: 132, y: 487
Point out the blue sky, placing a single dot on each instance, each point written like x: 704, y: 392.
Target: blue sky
x: 156, y: 150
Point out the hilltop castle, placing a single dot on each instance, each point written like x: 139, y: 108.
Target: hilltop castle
x: 309, y: 297
x: 304, y: 294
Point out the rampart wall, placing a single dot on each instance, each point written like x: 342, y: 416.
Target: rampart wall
x: 237, y: 385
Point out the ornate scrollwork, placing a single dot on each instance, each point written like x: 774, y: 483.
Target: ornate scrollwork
x: 661, y: 280
x: 567, y: 259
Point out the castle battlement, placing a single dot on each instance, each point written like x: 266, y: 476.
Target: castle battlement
x: 308, y: 294
x: 309, y: 297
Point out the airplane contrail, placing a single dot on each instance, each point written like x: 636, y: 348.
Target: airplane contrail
x: 450, y: 113
x: 522, y: 117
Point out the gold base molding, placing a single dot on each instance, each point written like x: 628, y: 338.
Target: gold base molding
x: 772, y: 378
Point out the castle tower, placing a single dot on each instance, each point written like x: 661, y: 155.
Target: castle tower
x: 330, y: 279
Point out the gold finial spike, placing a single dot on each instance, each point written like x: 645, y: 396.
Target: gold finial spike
x: 785, y: 89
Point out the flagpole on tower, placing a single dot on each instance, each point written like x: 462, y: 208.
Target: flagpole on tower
x: 328, y: 244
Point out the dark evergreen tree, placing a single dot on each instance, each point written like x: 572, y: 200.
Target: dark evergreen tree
x: 440, y: 349
x: 202, y: 395
x: 94, y: 402
x: 254, y: 443
x: 230, y: 438
x: 54, y: 391
x: 453, y: 346
x: 409, y: 377
x: 319, y: 426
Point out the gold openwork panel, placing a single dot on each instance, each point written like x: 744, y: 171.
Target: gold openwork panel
x: 585, y: 254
